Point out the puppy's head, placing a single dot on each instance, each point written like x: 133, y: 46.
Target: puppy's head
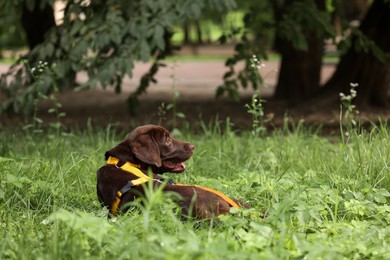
x: 153, y: 146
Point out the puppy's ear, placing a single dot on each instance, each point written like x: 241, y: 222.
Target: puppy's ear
x: 146, y: 149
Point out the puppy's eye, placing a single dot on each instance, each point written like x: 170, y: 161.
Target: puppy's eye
x: 169, y: 141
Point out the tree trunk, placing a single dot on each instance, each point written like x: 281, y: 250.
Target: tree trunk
x: 199, y: 32
x: 354, y: 10
x: 37, y: 22
x: 186, y: 31
x: 363, y: 68
x: 300, y: 71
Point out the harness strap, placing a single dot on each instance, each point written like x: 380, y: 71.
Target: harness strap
x: 133, y: 169
x: 118, y: 197
x: 143, y: 178
x: 218, y: 193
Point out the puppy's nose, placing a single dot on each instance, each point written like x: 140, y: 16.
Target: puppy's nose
x: 191, y: 147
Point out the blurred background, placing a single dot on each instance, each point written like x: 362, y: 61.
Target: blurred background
x: 190, y: 62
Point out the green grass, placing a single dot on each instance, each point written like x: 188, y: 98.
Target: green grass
x: 325, y: 199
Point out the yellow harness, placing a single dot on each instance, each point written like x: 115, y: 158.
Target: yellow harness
x: 143, y: 178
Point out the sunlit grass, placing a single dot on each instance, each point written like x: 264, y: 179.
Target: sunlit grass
x: 324, y: 198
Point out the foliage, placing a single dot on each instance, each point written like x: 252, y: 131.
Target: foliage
x: 302, y: 17
x: 362, y: 44
x: 11, y: 34
x: 103, y: 38
x: 296, y: 20
x: 257, y: 19
x: 291, y: 21
x: 324, y: 199
x: 292, y: 24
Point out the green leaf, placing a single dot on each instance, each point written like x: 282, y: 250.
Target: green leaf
x: 176, y: 94
x: 38, y: 120
x: 144, y: 51
x: 75, y: 29
x: 47, y: 51
x: 378, y: 53
x: 196, y: 10
x: 61, y: 68
x: 344, y: 45
x: 329, y: 6
x: 159, y: 37
x: 4, y: 160
x: 220, y: 91
x: 180, y: 115
x: 228, y: 74
x: 17, y: 181
x: 116, y: 35
x: 78, y: 50
x: 170, y: 106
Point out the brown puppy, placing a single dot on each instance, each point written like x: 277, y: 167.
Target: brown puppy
x: 152, y: 147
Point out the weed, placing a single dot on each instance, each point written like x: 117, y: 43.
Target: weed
x: 38, y: 123
x: 172, y: 106
x: 256, y: 108
x: 348, y: 112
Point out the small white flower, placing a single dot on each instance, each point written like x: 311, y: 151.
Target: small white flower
x: 45, y: 222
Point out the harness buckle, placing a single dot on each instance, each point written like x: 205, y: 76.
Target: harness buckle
x: 159, y: 180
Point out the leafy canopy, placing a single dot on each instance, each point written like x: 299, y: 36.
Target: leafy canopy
x: 103, y: 38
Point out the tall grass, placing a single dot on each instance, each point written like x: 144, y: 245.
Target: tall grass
x: 323, y: 198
